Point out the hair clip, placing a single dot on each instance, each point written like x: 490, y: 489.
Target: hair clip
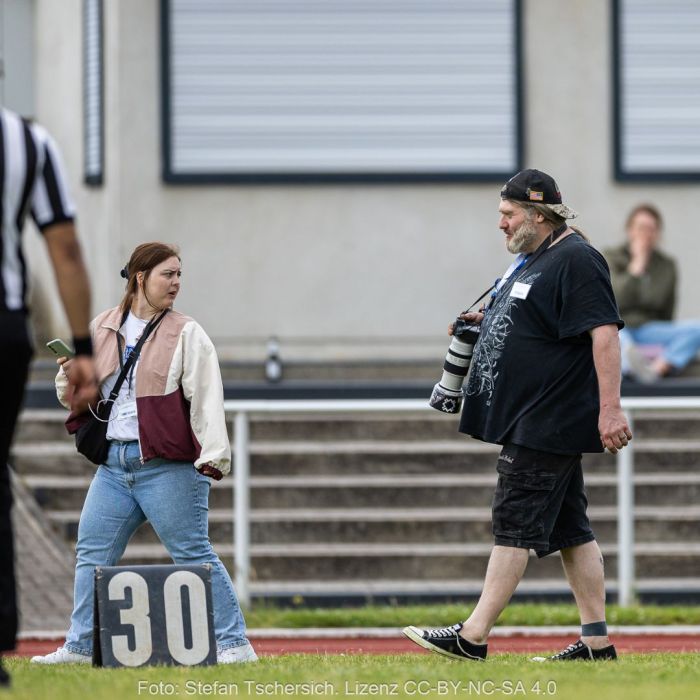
x: 125, y: 272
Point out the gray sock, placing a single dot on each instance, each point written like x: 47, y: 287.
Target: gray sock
x: 594, y: 629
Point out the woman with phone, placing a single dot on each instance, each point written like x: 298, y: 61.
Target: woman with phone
x: 167, y: 439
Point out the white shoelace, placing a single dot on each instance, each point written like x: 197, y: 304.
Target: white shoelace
x: 443, y: 631
x: 571, y: 647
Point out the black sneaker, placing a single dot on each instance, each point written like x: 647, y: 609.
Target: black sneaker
x: 446, y: 641
x: 579, y: 651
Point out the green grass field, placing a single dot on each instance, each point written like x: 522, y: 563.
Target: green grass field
x: 633, y: 677
x: 439, y: 615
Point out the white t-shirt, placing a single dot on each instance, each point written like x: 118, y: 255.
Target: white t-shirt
x: 123, y: 420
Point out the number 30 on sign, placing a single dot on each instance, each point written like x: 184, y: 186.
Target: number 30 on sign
x: 148, y: 615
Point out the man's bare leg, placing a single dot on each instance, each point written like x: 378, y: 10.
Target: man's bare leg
x: 506, y: 568
x: 583, y: 566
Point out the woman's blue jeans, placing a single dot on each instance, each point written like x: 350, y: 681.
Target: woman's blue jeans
x: 174, y: 498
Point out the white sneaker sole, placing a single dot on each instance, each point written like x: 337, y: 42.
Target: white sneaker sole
x: 250, y: 657
x: 413, y: 633
x: 66, y: 662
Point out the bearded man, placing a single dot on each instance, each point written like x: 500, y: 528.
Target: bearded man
x: 544, y: 383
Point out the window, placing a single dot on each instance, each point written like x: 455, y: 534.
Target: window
x: 656, y: 49
x: 331, y: 90
x: 93, y: 92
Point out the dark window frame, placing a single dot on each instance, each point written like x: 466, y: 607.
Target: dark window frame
x: 94, y: 179
x: 171, y: 177
x: 620, y: 174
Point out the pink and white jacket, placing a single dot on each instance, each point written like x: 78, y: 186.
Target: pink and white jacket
x: 179, y: 394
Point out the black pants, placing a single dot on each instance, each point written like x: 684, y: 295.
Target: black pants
x: 15, y: 354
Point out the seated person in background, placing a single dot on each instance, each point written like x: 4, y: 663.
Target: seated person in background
x: 644, y: 280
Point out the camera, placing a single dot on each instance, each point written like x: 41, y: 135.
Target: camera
x: 447, y: 395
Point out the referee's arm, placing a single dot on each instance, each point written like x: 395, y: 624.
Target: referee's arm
x: 53, y: 212
x: 71, y: 275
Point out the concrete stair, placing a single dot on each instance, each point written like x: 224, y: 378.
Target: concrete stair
x: 393, y: 503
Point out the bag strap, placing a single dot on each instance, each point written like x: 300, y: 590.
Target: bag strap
x: 133, y: 357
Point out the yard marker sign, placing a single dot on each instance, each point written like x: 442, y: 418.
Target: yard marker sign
x: 146, y: 615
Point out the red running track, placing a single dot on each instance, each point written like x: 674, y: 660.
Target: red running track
x: 274, y: 646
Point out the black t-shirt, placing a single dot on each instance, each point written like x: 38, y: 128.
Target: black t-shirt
x: 532, y: 380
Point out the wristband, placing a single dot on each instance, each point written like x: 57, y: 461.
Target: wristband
x: 83, y: 346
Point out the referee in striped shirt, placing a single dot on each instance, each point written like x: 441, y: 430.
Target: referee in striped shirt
x: 32, y: 182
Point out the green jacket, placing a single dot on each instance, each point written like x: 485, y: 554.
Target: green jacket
x: 651, y: 297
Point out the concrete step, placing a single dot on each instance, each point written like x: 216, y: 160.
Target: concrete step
x: 296, y: 369
x: 458, y: 456
x: 329, y: 561
x: 342, y: 361
x: 47, y: 424
x: 396, y: 525
x: 383, y: 491
x: 295, y: 457
x: 432, y: 426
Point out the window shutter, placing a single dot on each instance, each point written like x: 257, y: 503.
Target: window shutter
x: 354, y: 89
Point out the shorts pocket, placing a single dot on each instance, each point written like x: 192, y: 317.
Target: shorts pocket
x: 520, y: 502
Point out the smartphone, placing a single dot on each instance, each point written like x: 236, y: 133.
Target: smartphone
x: 60, y: 349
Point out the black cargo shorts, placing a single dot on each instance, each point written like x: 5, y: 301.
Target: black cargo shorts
x: 540, y: 502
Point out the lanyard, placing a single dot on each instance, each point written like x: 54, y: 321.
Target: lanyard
x: 517, y: 264
x: 524, y: 262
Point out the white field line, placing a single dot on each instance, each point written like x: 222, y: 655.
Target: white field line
x: 395, y: 632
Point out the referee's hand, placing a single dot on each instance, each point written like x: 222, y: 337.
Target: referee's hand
x: 82, y: 377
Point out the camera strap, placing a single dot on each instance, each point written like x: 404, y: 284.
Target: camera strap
x: 492, y: 287
x: 544, y: 246
x: 525, y: 263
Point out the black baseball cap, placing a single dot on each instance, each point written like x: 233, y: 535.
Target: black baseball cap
x: 536, y: 187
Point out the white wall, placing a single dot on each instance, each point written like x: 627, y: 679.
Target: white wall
x: 369, y: 268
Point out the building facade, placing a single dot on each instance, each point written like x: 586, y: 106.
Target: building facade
x: 341, y: 261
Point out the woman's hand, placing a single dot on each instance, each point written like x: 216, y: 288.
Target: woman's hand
x: 211, y: 471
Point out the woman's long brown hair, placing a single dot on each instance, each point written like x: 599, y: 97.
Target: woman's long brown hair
x: 144, y: 258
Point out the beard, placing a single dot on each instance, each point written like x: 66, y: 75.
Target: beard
x: 524, y: 238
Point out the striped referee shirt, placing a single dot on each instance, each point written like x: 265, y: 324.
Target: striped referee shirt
x: 32, y: 179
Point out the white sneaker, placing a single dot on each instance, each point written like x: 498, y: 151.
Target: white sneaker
x: 62, y: 656
x: 237, y: 655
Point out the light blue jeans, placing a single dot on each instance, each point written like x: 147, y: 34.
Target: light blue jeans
x: 174, y: 498
x: 680, y: 340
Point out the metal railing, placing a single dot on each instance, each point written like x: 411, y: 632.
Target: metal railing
x: 242, y: 410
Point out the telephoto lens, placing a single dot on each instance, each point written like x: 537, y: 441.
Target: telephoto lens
x: 447, y: 395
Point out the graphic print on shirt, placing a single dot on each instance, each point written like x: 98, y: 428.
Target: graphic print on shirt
x: 496, y: 327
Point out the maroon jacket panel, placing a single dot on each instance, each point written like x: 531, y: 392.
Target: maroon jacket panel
x: 164, y: 428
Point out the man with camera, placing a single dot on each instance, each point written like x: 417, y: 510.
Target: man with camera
x: 544, y: 382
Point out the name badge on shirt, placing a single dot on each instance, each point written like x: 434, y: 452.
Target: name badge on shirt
x: 127, y: 410
x: 520, y: 290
